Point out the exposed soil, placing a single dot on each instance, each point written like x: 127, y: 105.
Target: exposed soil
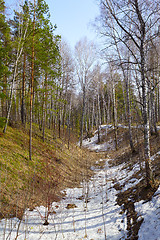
x: 139, y: 192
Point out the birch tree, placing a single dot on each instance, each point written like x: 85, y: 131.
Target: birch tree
x: 135, y: 21
x: 32, y: 81
x: 22, y: 34
x: 84, y: 58
x: 67, y: 81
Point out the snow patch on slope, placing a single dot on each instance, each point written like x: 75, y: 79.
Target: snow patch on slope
x: 150, y: 211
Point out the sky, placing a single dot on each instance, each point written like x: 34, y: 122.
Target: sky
x: 73, y: 18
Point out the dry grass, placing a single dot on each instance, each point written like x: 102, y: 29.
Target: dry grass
x: 26, y: 184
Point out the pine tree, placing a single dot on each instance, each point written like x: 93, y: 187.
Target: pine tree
x: 5, y: 49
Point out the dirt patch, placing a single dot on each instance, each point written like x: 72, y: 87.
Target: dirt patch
x: 133, y: 223
x: 71, y: 205
x: 127, y: 199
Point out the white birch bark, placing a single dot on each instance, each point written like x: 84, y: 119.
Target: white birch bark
x: 18, y: 55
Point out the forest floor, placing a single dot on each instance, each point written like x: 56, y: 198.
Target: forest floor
x: 54, y: 167
x: 102, y: 196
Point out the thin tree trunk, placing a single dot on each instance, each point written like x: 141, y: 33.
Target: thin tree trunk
x: 109, y: 110
x: 127, y: 101
x: 129, y: 113
x: 23, y: 91
x: 12, y: 93
x: 115, y: 115
x: 149, y: 176
x: 69, y: 122
x: 19, y: 52
x: 154, y: 106
x: 93, y: 114
x: 158, y: 100
x: 44, y: 106
x: 82, y: 116
x: 104, y: 107
x: 3, y: 100
x: 98, y: 108
x: 31, y: 90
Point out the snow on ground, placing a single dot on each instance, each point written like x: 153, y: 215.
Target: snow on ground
x: 91, y: 143
x: 150, y: 211
x: 96, y: 215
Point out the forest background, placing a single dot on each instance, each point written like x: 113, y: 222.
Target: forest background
x: 43, y: 83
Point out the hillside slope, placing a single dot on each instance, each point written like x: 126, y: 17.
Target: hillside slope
x: 26, y: 184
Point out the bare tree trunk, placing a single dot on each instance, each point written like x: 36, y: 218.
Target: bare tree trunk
x: 18, y: 55
x: 23, y: 91
x: 69, y: 122
x: 98, y: 109
x: 149, y: 176
x: 64, y: 116
x: 93, y: 113
x: 115, y: 114
x: 108, y: 110
x: 44, y: 106
x: 59, y: 121
x: 89, y: 117
x: 158, y: 101
x: 129, y: 112
x: 3, y: 100
x: 104, y: 108
x: 125, y: 100
x: 140, y: 30
x: 154, y: 106
x: 128, y: 109
x: 83, y: 113
x: 31, y: 87
x: 12, y: 93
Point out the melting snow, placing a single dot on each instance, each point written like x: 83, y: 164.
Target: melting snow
x: 97, y: 216
x: 150, y: 211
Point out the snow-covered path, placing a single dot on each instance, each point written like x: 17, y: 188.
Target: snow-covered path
x: 96, y: 214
